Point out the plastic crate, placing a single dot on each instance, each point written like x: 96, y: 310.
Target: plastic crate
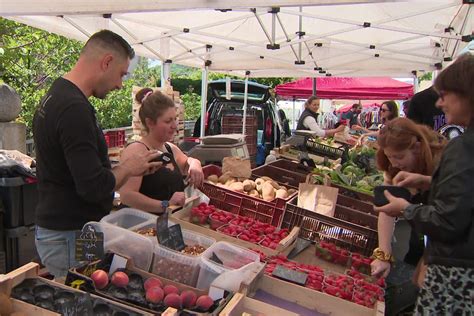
x: 125, y: 242
x: 323, y: 150
x: 250, y: 120
x: 128, y: 218
x: 282, y: 176
x: 301, y: 171
x: 20, y: 247
x: 270, y: 212
x: 19, y: 199
x: 232, y: 256
x: 341, y: 230
x: 115, y: 138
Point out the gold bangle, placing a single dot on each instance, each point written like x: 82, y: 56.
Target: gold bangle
x: 382, y: 256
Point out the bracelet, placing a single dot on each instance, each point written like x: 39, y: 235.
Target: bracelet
x: 382, y: 256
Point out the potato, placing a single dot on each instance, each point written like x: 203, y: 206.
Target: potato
x: 267, y: 178
x: 258, y: 187
x: 249, y: 185
x: 254, y: 193
x: 274, y: 184
x: 259, y: 181
x: 268, y: 192
x: 223, y: 178
x: 291, y: 191
x: 237, y: 186
x: 230, y: 181
x: 213, y: 178
x: 281, y: 193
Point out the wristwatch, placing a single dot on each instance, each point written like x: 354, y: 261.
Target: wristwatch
x: 164, y: 205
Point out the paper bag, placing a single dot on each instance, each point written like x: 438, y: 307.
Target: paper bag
x: 317, y: 198
x: 237, y: 167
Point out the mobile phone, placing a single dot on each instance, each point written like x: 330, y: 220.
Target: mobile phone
x: 165, y: 158
x: 381, y: 200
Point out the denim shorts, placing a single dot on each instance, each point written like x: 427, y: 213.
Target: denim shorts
x: 56, y: 250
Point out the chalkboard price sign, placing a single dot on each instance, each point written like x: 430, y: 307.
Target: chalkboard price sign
x: 89, y: 244
x: 293, y: 276
x: 162, y: 230
x: 176, y: 236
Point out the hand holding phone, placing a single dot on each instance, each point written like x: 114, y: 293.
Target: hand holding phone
x: 381, y: 200
x: 165, y: 158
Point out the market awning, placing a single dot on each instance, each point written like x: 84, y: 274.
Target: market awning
x: 367, y: 88
x: 290, y: 38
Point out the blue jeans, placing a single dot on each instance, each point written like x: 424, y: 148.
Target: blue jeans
x: 56, y: 249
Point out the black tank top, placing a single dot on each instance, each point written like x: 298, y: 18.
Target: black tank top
x: 162, y: 184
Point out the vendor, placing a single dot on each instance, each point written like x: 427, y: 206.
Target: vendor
x: 308, y: 120
x: 154, y: 192
x: 353, y: 115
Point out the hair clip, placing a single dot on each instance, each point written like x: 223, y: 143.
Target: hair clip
x: 146, y: 95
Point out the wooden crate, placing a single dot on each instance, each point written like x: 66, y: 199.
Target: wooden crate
x: 81, y: 277
x: 285, y: 246
x: 321, y: 303
x: 240, y: 304
x: 30, y: 270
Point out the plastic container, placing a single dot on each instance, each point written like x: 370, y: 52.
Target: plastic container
x: 20, y: 246
x: 231, y: 230
x: 19, y: 200
x: 332, y: 253
x: 128, y: 218
x: 232, y: 257
x: 122, y: 241
x: 175, y: 266
x: 178, y: 266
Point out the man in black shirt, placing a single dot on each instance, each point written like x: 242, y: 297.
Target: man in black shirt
x: 75, y: 180
x: 423, y: 109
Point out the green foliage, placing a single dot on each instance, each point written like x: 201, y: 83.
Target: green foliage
x: 427, y: 76
x: 31, y: 59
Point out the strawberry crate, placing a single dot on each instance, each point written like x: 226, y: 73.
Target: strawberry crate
x: 270, y: 212
x: 348, y: 229
x: 115, y: 138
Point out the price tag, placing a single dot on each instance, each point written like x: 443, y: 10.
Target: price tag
x: 89, y: 244
x: 293, y: 276
x: 176, y: 237
x: 162, y: 230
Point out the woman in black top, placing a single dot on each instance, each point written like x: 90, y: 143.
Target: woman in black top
x: 158, y: 116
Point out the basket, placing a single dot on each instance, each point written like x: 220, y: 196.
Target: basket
x: 270, y: 212
x: 323, y: 150
x: 348, y: 229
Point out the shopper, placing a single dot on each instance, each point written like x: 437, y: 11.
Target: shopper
x: 447, y: 218
x: 423, y: 109
x: 404, y: 146
x: 388, y: 111
x: 353, y: 115
x: 309, y: 117
x: 75, y: 180
x: 153, y: 192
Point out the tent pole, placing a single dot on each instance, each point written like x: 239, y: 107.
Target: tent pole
x: 293, y: 116
x: 204, y: 77
x: 165, y: 73
x: 314, y: 86
x: 244, y: 119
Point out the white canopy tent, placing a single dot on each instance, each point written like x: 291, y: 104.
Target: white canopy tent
x: 298, y: 38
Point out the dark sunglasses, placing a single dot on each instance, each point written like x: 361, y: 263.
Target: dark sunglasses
x: 384, y: 110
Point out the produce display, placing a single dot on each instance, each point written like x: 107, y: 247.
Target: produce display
x: 358, y: 173
x: 264, y: 188
x: 353, y: 286
x: 45, y: 295
x: 150, y: 293
x: 331, y: 253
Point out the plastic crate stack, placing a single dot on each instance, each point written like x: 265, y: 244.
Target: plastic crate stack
x: 232, y: 124
x: 115, y: 138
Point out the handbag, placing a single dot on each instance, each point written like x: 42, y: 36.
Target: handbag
x: 420, y: 272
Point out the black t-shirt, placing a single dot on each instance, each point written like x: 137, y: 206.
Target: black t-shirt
x: 75, y: 182
x: 423, y: 110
